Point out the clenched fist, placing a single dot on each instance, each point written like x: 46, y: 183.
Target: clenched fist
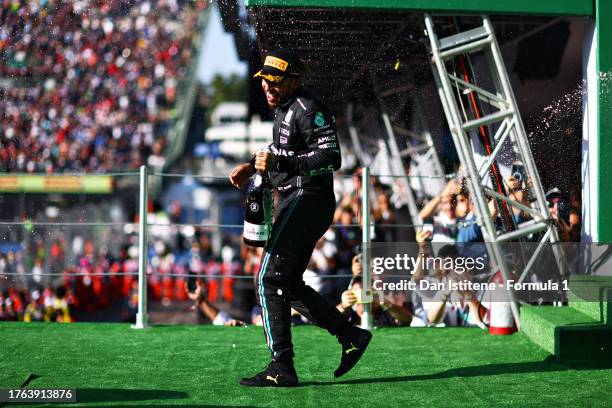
x: 264, y: 161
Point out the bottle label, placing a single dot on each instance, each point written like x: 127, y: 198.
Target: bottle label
x: 258, y: 180
x: 255, y: 232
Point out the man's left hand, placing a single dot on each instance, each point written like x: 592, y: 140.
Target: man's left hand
x: 265, y: 161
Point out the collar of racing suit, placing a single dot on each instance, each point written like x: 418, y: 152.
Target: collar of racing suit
x: 291, y: 99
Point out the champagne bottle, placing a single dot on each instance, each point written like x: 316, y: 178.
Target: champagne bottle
x: 257, y: 211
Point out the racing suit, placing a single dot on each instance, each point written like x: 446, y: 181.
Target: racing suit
x: 307, y: 152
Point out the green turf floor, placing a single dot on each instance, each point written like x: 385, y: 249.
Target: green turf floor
x: 111, y: 364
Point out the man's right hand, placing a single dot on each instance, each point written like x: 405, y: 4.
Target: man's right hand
x: 452, y: 187
x: 422, y: 236
x: 197, y: 294
x: 348, y: 299
x: 241, y: 173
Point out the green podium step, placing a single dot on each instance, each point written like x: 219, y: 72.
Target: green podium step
x: 592, y: 295
x: 582, y: 331
x: 567, y: 333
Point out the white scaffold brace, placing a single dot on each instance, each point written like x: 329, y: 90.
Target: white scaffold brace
x: 413, y: 146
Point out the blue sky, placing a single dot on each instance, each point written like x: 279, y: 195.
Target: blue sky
x: 219, y: 52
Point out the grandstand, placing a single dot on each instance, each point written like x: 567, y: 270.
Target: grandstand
x: 95, y: 103
x: 92, y: 86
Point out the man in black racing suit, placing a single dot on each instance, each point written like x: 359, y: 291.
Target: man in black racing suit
x: 303, y: 155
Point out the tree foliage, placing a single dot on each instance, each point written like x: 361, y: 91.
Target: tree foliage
x: 232, y: 88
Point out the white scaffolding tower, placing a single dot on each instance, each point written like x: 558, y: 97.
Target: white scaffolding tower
x: 508, y: 131
x: 409, y: 146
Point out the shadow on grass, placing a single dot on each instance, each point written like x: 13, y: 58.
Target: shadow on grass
x: 94, y: 395
x: 115, y: 394
x: 547, y: 365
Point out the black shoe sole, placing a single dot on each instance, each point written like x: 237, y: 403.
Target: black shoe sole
x: 244, y: 382
x: 363, y: 345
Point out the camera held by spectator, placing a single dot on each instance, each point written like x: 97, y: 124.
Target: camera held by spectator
x: 195, y: 292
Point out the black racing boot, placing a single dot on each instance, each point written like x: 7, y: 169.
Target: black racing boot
x: 277, y: 374
x: 353, y: 347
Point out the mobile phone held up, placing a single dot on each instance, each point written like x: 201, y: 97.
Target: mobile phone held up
x: 429, y: 228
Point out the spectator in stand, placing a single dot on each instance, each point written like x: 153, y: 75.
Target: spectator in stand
x: 33, y: 312
x: 37, y: 271
x: 9, y: 313
x: 384, y: 314
x: 470, y: 242
x: 444, y: 307
x: 355, y: 193
x: 440, y: 211
x: 130, y: 303
x: 322, y: 265
x: 566, y: 216
x: 216, y: 316
x: 62, y: 306
x: 573, y: 235
x: 468, y: 229
x: 384, y: 218
x: 357, y: 266
x: 251, y: 257
x: 518, y: 192
x: 347, y: 236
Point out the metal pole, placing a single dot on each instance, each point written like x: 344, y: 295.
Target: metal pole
x: 141, y: 316
x: 366, y: 292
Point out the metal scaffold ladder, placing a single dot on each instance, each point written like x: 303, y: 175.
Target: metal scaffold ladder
x: 503, y: 127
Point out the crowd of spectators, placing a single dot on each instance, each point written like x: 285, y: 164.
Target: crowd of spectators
x: 95, y: 277
x: 48, y: 305
x: 98, y: 276
x: 90, y: 85
x: 453, y: 214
